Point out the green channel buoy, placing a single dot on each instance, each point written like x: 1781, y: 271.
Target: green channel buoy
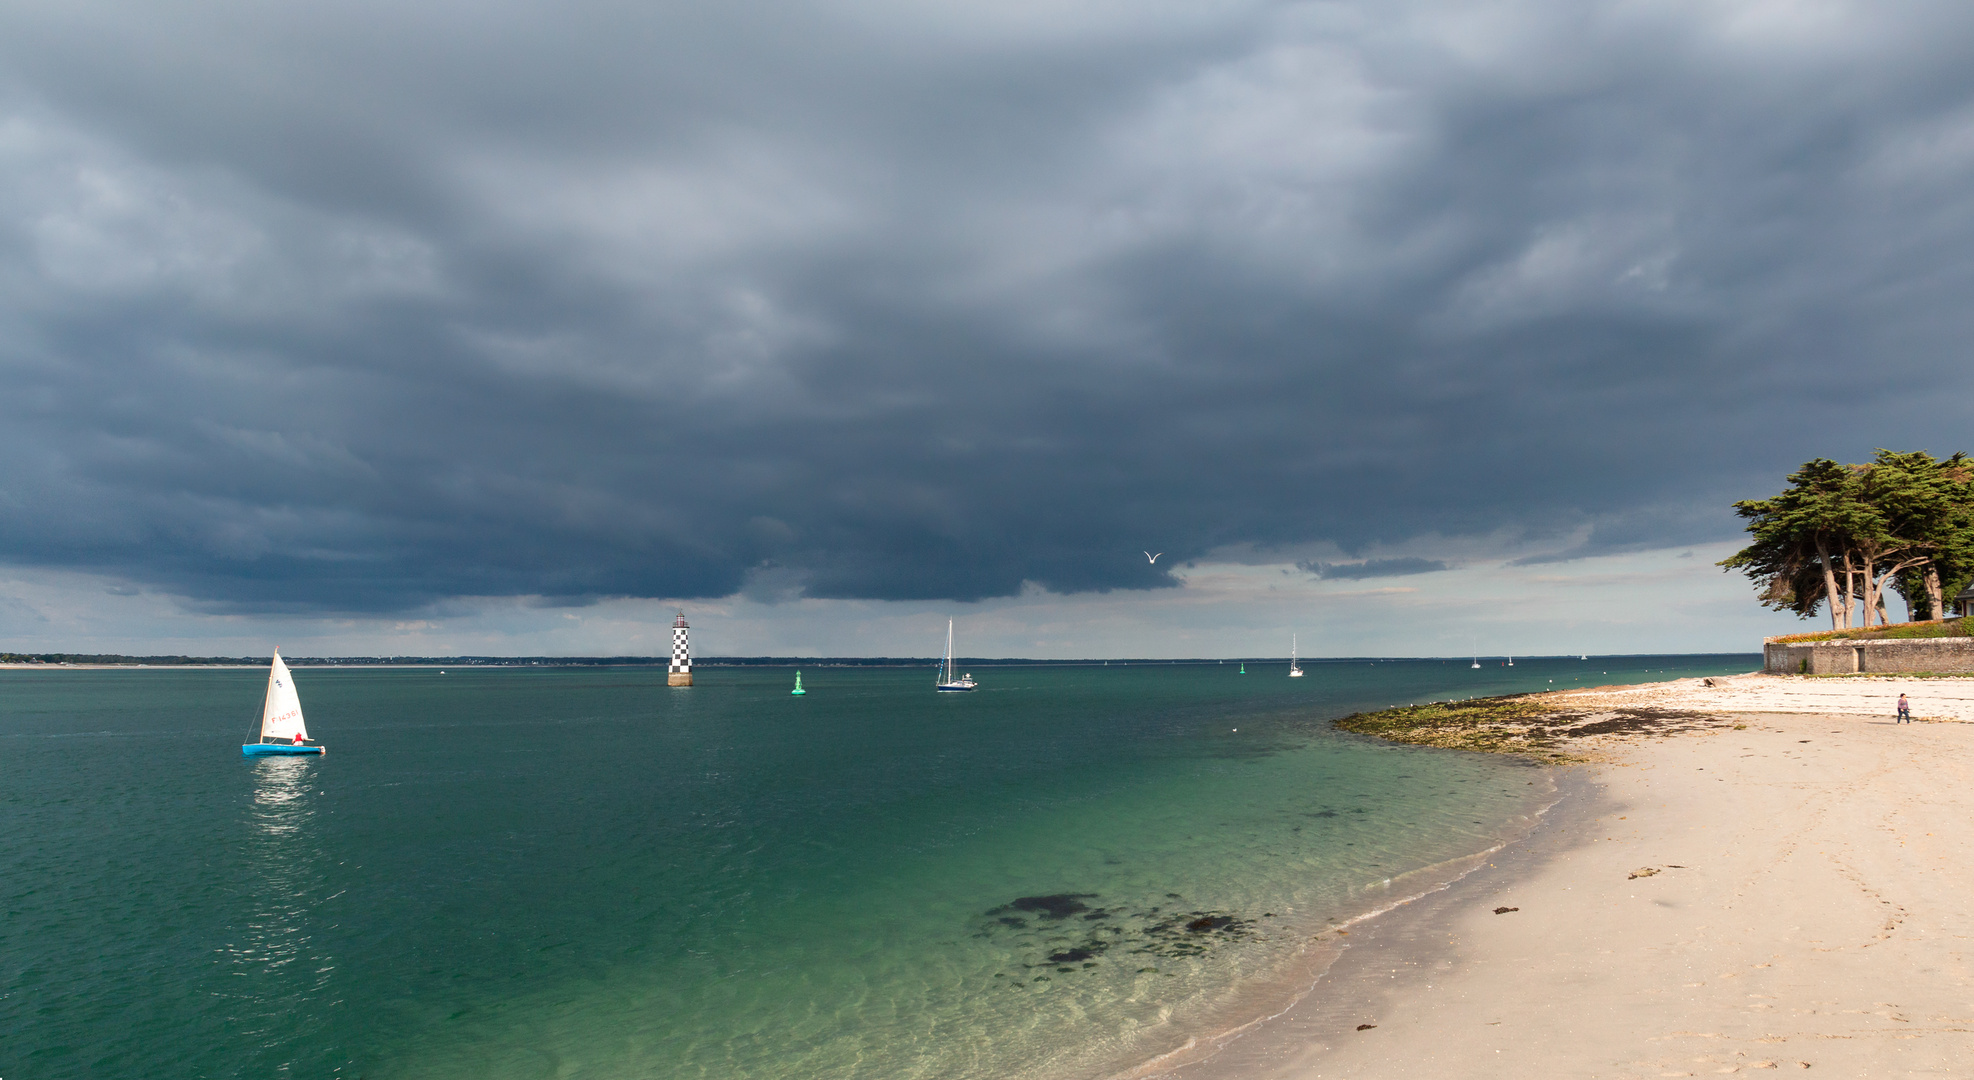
x: 798, y: 691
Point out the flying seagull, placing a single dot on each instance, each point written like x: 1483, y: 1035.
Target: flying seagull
x: 1153, y: 559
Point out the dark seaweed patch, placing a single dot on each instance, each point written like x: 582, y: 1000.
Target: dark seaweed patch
x: 1055, y: 942
x: 1193, y: 933
x: 1053, y: 906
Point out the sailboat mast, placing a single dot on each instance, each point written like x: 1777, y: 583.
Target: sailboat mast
x: 260, y: 725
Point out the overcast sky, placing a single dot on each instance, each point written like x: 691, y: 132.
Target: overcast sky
x: 436, y: 326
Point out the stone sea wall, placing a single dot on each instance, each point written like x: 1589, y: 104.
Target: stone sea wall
x: 1933, y: 655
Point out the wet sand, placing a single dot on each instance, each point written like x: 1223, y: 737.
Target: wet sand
x: 1795, y: 894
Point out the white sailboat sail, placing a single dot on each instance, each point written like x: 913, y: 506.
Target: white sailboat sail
x: 281, y: 716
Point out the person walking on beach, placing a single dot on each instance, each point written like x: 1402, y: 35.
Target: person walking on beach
x: 1905, y: 710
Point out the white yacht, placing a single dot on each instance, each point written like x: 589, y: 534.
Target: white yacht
x: 946, y: 683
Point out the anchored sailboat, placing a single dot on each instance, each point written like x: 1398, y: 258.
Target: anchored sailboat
x: 1295, y: 669
x: 946, y: 683
x: 281, y: 716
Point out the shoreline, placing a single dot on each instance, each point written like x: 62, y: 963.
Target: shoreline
x: 1288, y: 989
x: 1742, y: 891
x: 1388, y: 956
x: 1327, y: 959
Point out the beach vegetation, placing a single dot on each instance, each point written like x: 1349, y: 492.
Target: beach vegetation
x: 1839, y: 537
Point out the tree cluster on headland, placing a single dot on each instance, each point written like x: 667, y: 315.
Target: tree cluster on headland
x: 98, y: 659
x: 1841, y: 536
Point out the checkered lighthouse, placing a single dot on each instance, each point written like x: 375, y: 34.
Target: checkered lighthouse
x: 681, y: 672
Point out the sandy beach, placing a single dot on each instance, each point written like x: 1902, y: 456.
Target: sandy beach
x: 1788, y: 885
x: 1820, y: 695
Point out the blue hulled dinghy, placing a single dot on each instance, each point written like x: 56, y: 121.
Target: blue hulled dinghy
x: 281, y: 717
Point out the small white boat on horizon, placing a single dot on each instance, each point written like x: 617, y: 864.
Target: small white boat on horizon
x: 1295, y: 669
x: 947, y: 684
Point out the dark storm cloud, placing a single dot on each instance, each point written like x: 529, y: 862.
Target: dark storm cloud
x: 1372, y: 568
x: 362, y: 307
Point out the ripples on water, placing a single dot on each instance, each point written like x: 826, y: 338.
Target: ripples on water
x: 582, y: 873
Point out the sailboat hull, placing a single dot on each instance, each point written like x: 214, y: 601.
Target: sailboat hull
x: 258, y: 749
x: 954, y: 688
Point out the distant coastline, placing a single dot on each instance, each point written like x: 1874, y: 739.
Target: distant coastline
x: 106, y: 660
x: 99, y: 662
x: 118, y: 660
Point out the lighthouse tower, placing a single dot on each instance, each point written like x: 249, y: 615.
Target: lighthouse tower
x: 681, y: 672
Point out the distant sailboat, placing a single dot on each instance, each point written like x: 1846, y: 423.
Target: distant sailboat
x: 1585, y: 656
x: 281, y: 716
x: 1295, y: 669
x: 1511, y: 661
x: 1476, y: 663
x: 946, y: 683
x: 798, y: 691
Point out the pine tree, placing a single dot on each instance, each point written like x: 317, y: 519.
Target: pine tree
x: 1840, y: 535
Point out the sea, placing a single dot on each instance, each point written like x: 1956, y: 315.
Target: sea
x: 1072, y: 872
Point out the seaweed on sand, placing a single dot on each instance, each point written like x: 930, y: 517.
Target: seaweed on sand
x: 1529, y: 725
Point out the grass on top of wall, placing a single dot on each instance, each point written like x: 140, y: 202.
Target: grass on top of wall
x: 1897, y: 631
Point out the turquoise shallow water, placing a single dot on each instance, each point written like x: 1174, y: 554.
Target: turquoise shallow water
x: 583, y: 873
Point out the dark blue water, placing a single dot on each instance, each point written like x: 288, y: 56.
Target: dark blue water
x: 581, y: 873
